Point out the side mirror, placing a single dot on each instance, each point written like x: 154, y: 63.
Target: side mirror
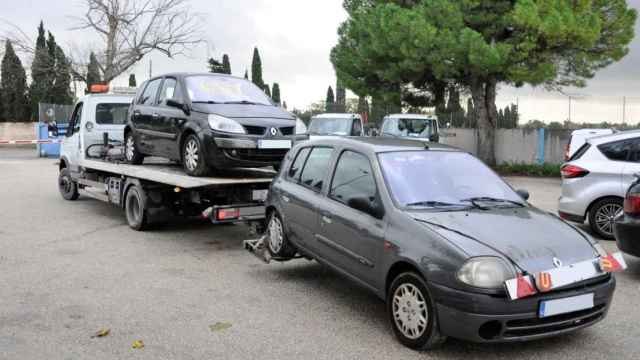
x: 366, y: 206
x: 523, y: 194
x: 434, y: 138
x: 178, y: 104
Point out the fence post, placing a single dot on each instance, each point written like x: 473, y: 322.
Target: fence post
x: 540, y: 157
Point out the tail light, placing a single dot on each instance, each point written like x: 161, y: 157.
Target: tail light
x: 572, y: 172
x: 227, y: 214
x: 632, y: 204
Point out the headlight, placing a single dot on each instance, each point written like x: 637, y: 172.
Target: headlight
x: 301, y: 128
x: 486, y: 272
x: 221, y: 123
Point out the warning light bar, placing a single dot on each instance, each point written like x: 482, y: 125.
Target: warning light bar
x: 99, y: 89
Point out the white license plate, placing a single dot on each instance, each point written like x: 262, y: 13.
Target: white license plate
x: 260, y: 195
x: 566, y: 305
x: 274, y: 144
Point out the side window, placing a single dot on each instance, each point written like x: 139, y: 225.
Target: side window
x: 298, y: 163
x: 353, y: 178
x: 149, y: 94
x: 356, y: 128
x: 315, y: 169
x: 617, y: 151
x: 168, y: 90
x: 635, y: 157
x: 74, y: 122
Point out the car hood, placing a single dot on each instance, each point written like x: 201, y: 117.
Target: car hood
x: 529, y: 237
x: 240, y: 111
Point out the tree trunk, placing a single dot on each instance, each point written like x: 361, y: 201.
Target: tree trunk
x: 484, y: 99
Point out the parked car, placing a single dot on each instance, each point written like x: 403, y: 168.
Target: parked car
x: 445, y: 241
x: 335, y: 125
x: 596, y: 178
x: 419, y: 127
x: 579, y: 137
x: 627, y: 227
x: 208, y: 121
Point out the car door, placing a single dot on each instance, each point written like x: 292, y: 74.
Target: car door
x: 632, y: 167
x: 352, y: 237
x: 145, y: 115
x: 306, y: 178
x: 619, y: 167
x: 170, y: 120
x: 71, y: 144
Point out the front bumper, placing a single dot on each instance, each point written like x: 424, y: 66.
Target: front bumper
x: 487, y: 318
x: 627, y: 233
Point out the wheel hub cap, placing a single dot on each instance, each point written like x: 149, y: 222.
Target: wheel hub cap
x: 410, y: 311
x: 606, y: 217
x: 276, y: 238
x: 191, y: 154
x: 129, y: 148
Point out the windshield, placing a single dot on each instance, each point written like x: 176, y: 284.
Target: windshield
x: 416, y: 128
x: 224, y: 90
x: 325, y: 126
x: 436, y: 178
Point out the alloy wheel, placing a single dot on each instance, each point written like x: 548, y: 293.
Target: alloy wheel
x: 191, y: 154
x: 606, y: 216
x: 129, y: 148
x: 410, y: 312
x: 276, y: 236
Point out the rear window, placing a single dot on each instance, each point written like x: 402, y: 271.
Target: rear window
x: 112, y: 114
x: 616, y: 151
x: 581, y: 151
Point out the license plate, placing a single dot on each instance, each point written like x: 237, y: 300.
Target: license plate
x: 274, y: 144
x: 260, y: 195
x: 566, y: 305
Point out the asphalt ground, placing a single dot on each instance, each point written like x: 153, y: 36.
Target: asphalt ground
x: 189, y: 291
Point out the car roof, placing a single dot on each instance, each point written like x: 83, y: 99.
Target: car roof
x: 111, y: 97
x: 185, y: 74
x: 412, y: 116
x: 336, y: 115
x: 624, y: 135
x: 592, y: 131
x: 380, y: 144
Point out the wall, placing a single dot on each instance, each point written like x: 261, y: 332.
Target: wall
x: 514, y: 145
x: 17, y: 131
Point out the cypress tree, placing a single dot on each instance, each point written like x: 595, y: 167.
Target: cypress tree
x: 42, y: 73
x: 61, y: 90
x: 471, y: 114
x: 246, y: 74
x: 93, y: 71
x: 215, y: 66
x: 226, y: 65
x: 13, y: 80
x: 267, y: 90
x: 330, y: 101
x: 341, y: 98
x: 256, y: 69
x: 132, y: 80
x: 275, y: 93
x: 284, y: 105
x: 515, y: 116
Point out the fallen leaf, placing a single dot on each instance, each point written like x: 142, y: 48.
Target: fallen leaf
x: 219, y: 326
x: 101, y: 333
x: 138, y: 344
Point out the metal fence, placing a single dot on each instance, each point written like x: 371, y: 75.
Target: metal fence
x: 49, y: 113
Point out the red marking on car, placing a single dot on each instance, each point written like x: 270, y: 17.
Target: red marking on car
x: 543, y: 281
x: 612, y: 263
x: 388, y: 245
x: 520, y: 287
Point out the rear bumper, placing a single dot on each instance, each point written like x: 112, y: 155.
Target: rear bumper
x: 572, y: 209
x: 487, y: 319
x: 627, y: 232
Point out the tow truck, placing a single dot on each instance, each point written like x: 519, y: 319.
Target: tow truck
x: 92, y: 163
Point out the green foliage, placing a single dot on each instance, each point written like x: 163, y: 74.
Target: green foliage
x: 267, y: 90
x: 61, y: 89
x: 93, y: 71
x: 275, y: 93
x: 132, y: 80
x: 341, y: 98
x: 330, y: 101
x: 42, y: 73
x: 519, y: 169
x: 508, y: 117
x: 215, y: 66
x: 256, y: 69
x: 226, y: 64
x: 13, y: 82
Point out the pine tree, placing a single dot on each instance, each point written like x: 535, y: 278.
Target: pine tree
x: 275, y: 93
x: 246, y: 74
x: 13, y: 80
x: 61, y: 90
x: 226, y: 65
x: 256, y: 69
x: 93, y: 71
x: 330, y: 101
x: 42, y: 74
x: 267, y: 90
x: 341, y: 98
x: 132, y: 80
x: 515, y: 116
x: 506, y: 123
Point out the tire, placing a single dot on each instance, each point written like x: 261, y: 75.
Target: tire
x: 131, y: 152
x: 408, y: 296
x: 68, y: 188
x: 277, y: 242
x: 193, y: 159
x: 602, y: 216
x: 135, y: 208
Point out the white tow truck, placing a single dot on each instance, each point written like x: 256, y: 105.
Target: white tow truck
x: 91, y: 163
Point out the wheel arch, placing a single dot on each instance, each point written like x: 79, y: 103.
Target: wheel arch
x: 183, y: 136
x: 399, y: 267
x: 63, y: 163
x: 600, y: 199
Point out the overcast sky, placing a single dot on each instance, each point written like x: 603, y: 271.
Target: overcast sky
x: 295, y: 38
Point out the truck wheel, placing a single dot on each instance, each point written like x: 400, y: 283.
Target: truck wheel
x: 193, y: 157
x: 135, y: 208
x: 412, y: 313
x: 277, y: 242
x: 131, y: 153
x: 602, y: 216
x: 68, y: 188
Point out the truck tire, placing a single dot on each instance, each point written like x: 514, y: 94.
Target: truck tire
x: 131, y: 152
x: 193, y: 157
x: 135, y: 208
x: 68, y: 188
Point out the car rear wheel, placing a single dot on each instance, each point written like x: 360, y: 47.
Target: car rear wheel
x: 68, y: 188
x: 412, y: 313
x: 131, y: 152
x: 277, y: 243
x: 193, y: 159
x: 602, y: 216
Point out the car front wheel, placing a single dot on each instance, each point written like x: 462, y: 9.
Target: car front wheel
x: 603, y: 215
x: 412, y: 313
x: 193, y: 159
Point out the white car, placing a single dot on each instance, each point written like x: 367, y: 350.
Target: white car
x: 596, y: 178
x: 335, y: 125
x: 580, y: 136
x: 411, y: 126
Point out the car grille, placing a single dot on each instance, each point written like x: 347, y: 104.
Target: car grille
x: 257, y: 155
x: 254, y: 130
x: 539, y: 326
x: 287, y: 130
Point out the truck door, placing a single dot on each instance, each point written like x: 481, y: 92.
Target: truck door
x: 70, y: 149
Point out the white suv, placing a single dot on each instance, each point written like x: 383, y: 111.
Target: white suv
x: 596, y: 178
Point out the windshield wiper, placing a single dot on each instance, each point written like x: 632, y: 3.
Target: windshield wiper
x: 243, y: 102
x: 486, y: 199
x: 435, y: 204
x: 205, y: 102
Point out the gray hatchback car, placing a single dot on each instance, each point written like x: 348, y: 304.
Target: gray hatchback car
x: 451, y: 248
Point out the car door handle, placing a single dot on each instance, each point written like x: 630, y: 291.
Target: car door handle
x: 326, y: 219
x: 155, y: 115
x: 285, y: 198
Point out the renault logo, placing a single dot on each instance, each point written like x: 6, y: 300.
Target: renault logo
x: 273, y: 131
x: 557, y: 262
